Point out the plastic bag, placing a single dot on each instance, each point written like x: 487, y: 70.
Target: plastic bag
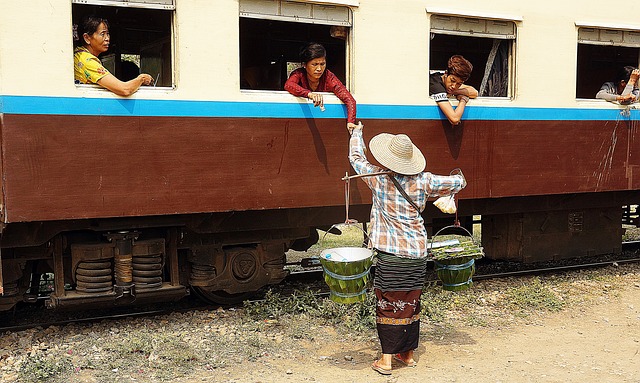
x: 446, y: 204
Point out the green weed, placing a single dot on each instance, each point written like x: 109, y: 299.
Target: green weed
x: 533, y: 296
x: 351, y: 236
x: 319, y: 310
x: 37, y: 368
x: 161, y: 355
x: 436, y: 303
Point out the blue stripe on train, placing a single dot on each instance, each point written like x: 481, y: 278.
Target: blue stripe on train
x: 185, y: 108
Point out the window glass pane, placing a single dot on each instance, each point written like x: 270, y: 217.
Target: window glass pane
x: 468, y: 26
x: 600, y: 36
x: 295, y: 12
x: 159, y: 4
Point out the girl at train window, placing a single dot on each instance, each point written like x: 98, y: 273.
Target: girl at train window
x: 441, y: 86
x: 94, y: 38
x: 314, y: 77
x: 624, y: 89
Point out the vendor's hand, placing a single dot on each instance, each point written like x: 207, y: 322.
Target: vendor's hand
x: 351, y: 126
x: 316, y: 98
x: 458, y: 172
x: 464, y: 180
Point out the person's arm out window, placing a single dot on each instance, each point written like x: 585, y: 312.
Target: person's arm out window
x: 453, y: 115
x: 607, y: 92
x: 338, y: 88
x: 123, y: 88
x: 292, y: 85
x: 438, y: 93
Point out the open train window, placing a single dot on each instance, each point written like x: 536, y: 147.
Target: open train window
x: 272, y: 33
x: 487, y: 43
x: 602, y: 52
x: 141, y: 40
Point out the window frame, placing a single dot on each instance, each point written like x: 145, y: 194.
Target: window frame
x: 624, y: 28
x: 589, y: 38
x: 245, y: 12
x: 150, y: 4
x: 348, y: 3
x: 293, y: 11
x: 156, y: 5
x: 495, y: 32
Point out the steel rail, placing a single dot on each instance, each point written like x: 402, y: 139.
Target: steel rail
x: 317, y: 274
x: 96, y: 318
x: 81, y: 320
x: 626, y: 247
x: 554, y: 269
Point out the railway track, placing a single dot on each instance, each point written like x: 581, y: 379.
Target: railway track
x: 628, y: 256
x: 21, y: 319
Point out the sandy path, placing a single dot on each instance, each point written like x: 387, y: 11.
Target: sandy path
x: 599, y: 345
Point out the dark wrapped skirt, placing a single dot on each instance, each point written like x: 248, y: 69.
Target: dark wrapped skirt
x: 398, y: 285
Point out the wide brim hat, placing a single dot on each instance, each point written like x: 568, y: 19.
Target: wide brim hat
x: 397, y: 153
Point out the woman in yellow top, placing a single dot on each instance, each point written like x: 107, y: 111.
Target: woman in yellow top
x: 88, y: 69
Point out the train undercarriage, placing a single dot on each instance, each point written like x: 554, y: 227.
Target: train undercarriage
x: 226, y: 257
x: 109, y: 265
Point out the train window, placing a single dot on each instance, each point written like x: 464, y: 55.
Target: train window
x: 272, y: 33
x: 141, y: 40
x: 602, y: 52
x: 487, y: 43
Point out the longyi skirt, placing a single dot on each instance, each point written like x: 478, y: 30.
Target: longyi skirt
x: 398, y: 285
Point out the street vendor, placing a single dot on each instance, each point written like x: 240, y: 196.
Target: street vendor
x: 398, y: 235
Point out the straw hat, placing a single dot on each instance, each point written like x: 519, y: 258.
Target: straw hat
x: 397, y: 153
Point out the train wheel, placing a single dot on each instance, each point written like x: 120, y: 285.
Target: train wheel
x: 222, y: 297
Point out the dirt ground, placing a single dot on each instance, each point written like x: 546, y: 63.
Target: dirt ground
x: 599, y: 343
x: 581, y: 326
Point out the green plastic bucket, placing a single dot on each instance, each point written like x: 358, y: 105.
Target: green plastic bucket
x: 456, y: 273
x: 346, y: 272
x: 454, y: 258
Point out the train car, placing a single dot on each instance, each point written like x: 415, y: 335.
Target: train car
x: 203, y: 181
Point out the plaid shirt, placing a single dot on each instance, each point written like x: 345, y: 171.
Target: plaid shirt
x: 396, y: 227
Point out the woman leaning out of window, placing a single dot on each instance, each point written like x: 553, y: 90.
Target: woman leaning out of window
x: 94, y: 38
x: 314, y: 77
